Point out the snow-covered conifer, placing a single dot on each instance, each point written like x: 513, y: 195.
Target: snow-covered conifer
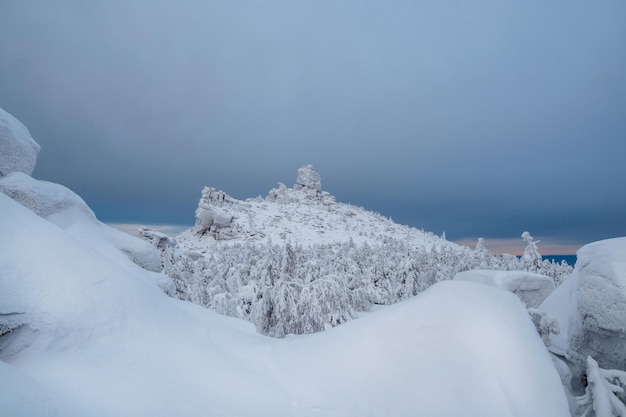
x: 603, y: 391
x: 532, y: 258
x: 545, y: 325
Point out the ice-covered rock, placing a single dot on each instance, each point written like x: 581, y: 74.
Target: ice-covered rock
x: 308, y: 180
x: 531, y: 288
x: 42, y: 197
x: 158, y: 239
x: 591, y: 307
x: 63, y: 207
x: 213, y: 212
x: 18, y: 150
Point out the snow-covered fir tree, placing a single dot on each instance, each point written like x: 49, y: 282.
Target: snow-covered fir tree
x: 604, y: 394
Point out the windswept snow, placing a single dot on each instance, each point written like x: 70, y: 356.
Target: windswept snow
x: 531, y: 288
x: 18, y: 150
x: 102, y: 341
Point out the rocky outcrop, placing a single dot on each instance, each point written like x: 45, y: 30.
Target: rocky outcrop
x: 213, y: 212
x: 18, y: 150
x: 601, y: 301
x: 590, y: 307
x: 308, y: 180
x: 531, y: 288
x: 43, y: 198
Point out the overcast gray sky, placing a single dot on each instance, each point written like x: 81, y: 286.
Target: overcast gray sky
x: 477, y: 118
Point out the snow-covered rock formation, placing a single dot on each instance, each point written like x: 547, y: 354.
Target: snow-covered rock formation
x: 304, y: 213
x: 591, y: 308
x: 213, y: 214
x: 45, y: 199
x: 308, y: 180
x: 18, y: 150
x: 531, y: 288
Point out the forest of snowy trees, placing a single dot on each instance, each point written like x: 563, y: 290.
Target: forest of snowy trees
x: 293, y: 289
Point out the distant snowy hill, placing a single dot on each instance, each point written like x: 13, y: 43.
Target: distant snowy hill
x: 297, y: 261
x: 301, y: 215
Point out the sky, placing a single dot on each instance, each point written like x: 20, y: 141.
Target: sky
x: 480, y: 119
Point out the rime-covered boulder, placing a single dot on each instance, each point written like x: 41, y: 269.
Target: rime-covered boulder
x: 531, y: 288
x: 308, y: 180
x: 18, y: 150
x: 214, y: 211
x: 591, y: 307
x: 42, y: 197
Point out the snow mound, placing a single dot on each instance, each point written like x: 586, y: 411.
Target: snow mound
x: 18, y: 150
x: 67, y: 210
x: 531, y: 288
x: 591, y: 306
x: 20, y: 396
x: 458, y: 349
x: 104, y: 343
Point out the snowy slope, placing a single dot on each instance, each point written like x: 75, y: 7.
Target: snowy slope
x: 101, y: 341
x: 302, y: 214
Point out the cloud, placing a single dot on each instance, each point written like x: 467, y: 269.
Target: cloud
x: 475, y: 118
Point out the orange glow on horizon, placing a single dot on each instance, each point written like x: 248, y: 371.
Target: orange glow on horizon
x: 515, y: 246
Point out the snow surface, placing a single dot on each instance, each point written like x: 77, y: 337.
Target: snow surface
x: 531, y: 288
x: 67, y: 210
x: 18, y: 150
x: 591, y: 307
x: 102, y: 341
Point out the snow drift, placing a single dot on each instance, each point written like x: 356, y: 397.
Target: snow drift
x: 531, y: 288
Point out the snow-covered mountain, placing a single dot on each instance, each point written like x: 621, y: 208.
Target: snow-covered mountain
x: 303, y: 214
x: 297, y: 261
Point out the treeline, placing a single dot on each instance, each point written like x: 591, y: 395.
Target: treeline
x: 292, y: 289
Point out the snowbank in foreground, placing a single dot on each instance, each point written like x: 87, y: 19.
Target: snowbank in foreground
x: 67, y: 210
x: 591, y: 306
x: 100, y: 341
x: 20, y: 396
x: 531, y: 288
x: 18, y: 150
